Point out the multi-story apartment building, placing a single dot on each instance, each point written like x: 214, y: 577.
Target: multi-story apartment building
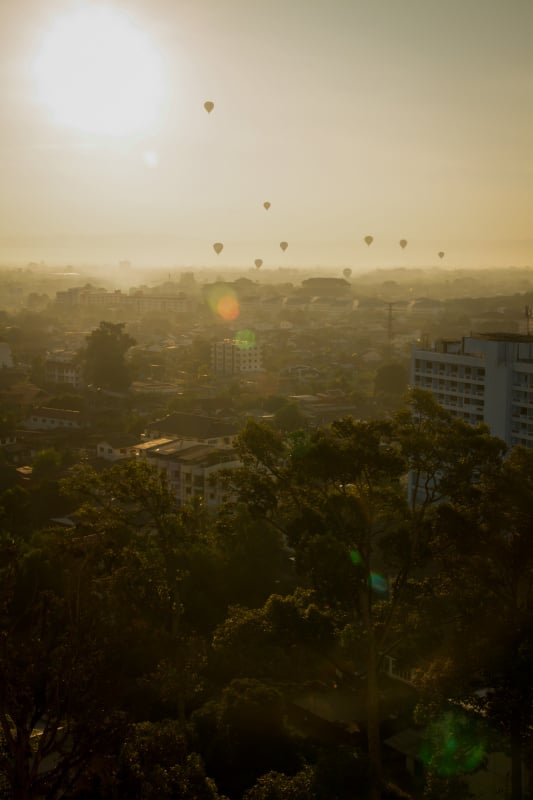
x: 191, y: 469
x: 89, y: 297
x: 234, y: 356
x: 482, y: 378
x: 63, y: 368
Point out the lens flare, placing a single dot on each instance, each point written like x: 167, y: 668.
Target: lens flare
x: 454, y: 745
x: 378, y: 583
x: 245, y: 339
x: 228, y: 307
x: 223, y: 302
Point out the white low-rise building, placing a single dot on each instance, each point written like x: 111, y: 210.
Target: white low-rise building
x: 47, y: 419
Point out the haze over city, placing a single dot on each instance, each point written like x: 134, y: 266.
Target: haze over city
x: 400, y: 120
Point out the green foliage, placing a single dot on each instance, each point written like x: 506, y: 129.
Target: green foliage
x: 67, y: 400
x: 46, y: 462
x: 243, y: 735
x: 445, y: 455
x: 391, y: 379
x: 155, y: 764
x: 104, y: 357
x: 288, y: 641
x: 253, y: 556
x: 144, y: 612
x: 290, y: 418
x: 54, y: 668
x: 277, y: 786
x: 453, y: 787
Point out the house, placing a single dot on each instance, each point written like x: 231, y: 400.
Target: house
x: 46, y: 419
x: 117, y: 446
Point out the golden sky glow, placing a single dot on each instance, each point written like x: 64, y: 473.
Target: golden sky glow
x: 398, y: 119
x: 96, y: 72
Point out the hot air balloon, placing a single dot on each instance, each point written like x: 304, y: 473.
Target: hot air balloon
x: 369, y: 240
x: 218, y: 247
x: 209, y: 106
x: 403, y: 243
x: 283, y: 245
x: 258, y: 263
x: 347, y: 272
x: 266, y: 205
x: 441, y: 254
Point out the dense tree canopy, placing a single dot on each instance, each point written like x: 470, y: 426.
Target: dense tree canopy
x: 104, y: 357
x: 157, y: 651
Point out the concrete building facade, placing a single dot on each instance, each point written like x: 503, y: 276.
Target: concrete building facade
x: 191, y: 469
x: 233, y: 357
x: 482, y: 378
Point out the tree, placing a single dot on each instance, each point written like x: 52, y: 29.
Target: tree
x: 290, y: 418
x: 47, y: 462
x: 155, y: 764
x: 337, y: 494
x: 392, y: 380
x: 486, y: 662
x: 242, y: 734
x: 287, y: 642
x: 331, y: 490
x: 104, y: 357
x: 57, y: 707
x: 165, y: 573
x: 278, y: 786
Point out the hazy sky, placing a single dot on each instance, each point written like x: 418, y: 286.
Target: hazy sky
x: 398, y: 118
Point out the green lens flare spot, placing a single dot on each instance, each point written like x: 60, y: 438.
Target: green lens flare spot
x: 245, y: 339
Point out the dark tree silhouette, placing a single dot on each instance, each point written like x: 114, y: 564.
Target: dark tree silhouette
x: 104, y: 357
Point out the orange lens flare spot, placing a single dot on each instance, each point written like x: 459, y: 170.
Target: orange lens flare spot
x: 228, y: 307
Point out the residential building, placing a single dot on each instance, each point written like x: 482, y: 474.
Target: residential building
x: 118, y: 446
x: 482, y: 378
x: 191, y: 469
x: 235, y: 356
x: 46, y: 419
x: 138, y: 302
x: 331, y: 308
x: 62, y: 368
x: 194, y: 428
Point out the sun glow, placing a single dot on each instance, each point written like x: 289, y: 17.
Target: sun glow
x: 96, y: 71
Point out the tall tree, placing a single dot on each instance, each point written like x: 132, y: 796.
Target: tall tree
x: 104, y: 357
x: 57, y: 706
x: 486, y: 661
x: 339, y: 496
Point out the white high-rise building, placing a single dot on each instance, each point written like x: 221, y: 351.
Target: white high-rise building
x: 482, y: 378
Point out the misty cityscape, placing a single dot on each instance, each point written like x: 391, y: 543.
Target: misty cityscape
x: 266, y: 400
